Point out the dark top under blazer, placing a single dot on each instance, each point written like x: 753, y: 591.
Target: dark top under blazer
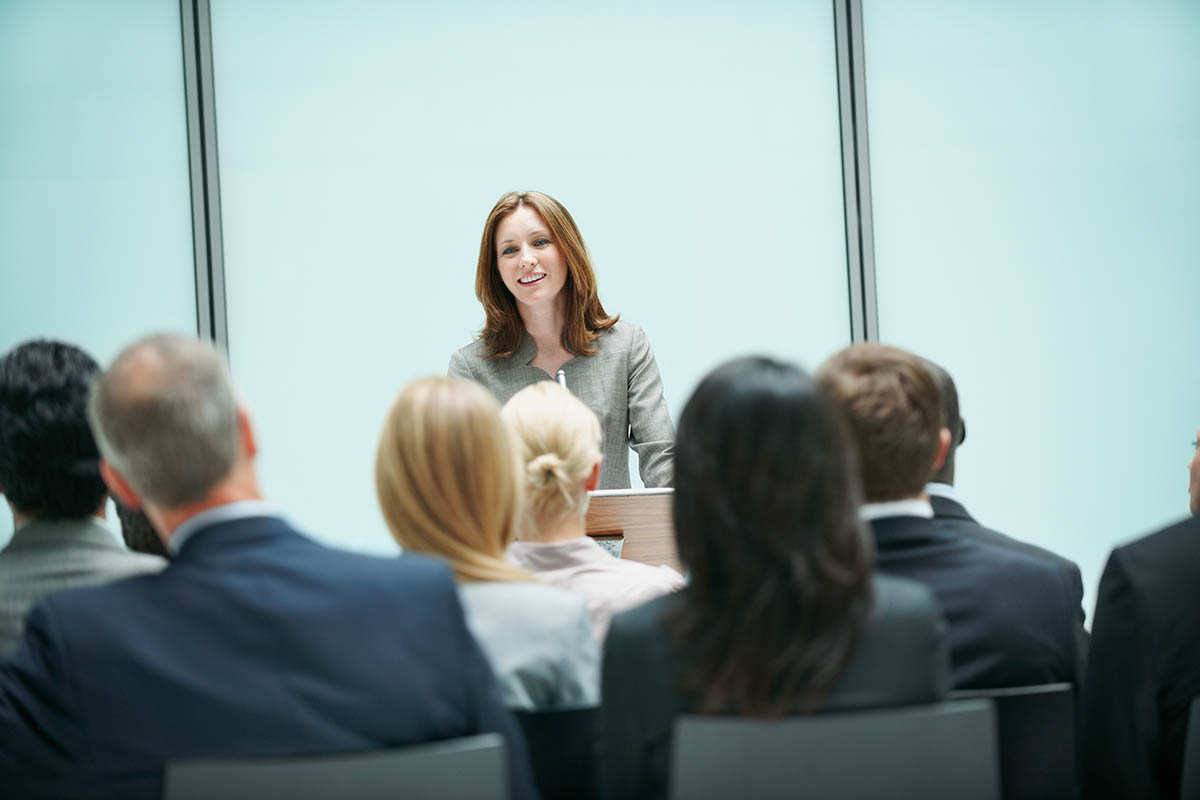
x: 1145, y: 666
x: 255, y: 641
x: 901, y: 660
x: 1011, y: 616
x: 954, y: 517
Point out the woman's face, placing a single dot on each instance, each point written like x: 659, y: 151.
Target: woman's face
x: 529, y: 261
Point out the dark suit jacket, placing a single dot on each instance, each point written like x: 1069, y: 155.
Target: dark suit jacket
x: 1011, y: 616
x: 901, y: 660
x: 1145, y: 666
x: 954, y: 517
x: 255, y: 641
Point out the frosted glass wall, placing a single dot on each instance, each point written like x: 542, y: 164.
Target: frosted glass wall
x: 1036, y: 186
x: 362, y: 145
x: 95, y: 215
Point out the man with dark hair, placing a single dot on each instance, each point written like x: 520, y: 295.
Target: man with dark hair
x: 50, y: 476
x: 1009, y: 615
x: 254, y: 641
x: 949, y: 511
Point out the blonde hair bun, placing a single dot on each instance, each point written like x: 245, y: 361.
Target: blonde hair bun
x: 558, y: 440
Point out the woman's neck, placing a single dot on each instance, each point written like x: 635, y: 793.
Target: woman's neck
x: 561, y: 530
x: 544, y: 324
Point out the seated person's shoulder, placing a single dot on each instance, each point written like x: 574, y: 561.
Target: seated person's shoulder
x: 529, y: 604
x: 1175, y: 547
x: 1156, y: 567
x: 407, y: 571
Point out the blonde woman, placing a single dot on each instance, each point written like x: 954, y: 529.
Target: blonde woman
x: 445, y: 475
x: 558, y: 440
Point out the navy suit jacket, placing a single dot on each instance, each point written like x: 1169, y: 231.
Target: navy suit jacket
x: 255, y: 641
x: 954, y: 517
x: 1145, y: 666
x: 1011, y: 617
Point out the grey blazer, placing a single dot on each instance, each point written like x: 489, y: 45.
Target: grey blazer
x: 902, y: 659
x: 48, y: 557
x: 620, y: 383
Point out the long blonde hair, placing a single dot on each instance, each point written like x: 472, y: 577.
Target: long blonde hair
x: 558, y: 442
x: 445, y: 476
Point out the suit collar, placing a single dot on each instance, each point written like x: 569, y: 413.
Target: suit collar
x: 88, y: 530
x: 944, y: 507
x: 905, y: 531
x: 218, y: 516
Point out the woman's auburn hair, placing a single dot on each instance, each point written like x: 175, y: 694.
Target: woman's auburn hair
x: 446, y: 478
x: 584, y: 316
x: 766, y: 521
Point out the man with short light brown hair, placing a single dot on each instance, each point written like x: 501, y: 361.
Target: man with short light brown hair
x: 1010, y: 615
x: 894, y: 408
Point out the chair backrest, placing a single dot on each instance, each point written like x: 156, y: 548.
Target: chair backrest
x: 946, y: 750
x: 1190, y: 782
x: 471, y: 767
x: 562, y: 751
x: 1036, y: 728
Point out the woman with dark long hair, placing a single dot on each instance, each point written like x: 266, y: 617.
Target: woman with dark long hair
x: 783, y: 614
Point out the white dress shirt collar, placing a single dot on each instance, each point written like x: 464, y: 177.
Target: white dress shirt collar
x: 935, y: 489
x: 911, y: 507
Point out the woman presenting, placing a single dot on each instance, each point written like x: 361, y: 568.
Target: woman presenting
x: 538, y: 290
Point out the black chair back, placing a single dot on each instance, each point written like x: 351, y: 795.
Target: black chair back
x: 935, y: 752
x: 1190, y: 785
x: 562, y: 751
x: 1036, y: 729
x: 472, y: 767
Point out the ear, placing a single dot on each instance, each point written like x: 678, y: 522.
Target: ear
x: 119, y: 486
x: 593, y: 480
x: 246, y: 434
x: 944, y: 439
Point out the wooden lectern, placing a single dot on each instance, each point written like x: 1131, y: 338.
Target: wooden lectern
x: 641, y: 518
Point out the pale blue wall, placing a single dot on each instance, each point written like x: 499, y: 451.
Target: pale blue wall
x: 95, y: 216
x: 1035, y: 171
x: 362, y: 145
x: 1036, y: 184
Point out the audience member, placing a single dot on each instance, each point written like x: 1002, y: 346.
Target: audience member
x: 1144, y: 669
x: 1011, y: 616
x: 447, y: 481
x: 254, y: 641
x: 558, y: 441
x: 50, y: 475
x: 782, y: 614
x: 137, y: 530
x: 952, y: 515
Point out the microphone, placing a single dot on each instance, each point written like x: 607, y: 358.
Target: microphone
x: 561, y: 377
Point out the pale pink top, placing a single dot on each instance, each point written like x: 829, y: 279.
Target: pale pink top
x: 609, y: 585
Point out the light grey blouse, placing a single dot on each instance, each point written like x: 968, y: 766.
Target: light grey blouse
x: 620, y: 383
x: 538, y: 640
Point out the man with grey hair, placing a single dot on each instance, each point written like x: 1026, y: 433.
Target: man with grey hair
x: 255, y: 641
